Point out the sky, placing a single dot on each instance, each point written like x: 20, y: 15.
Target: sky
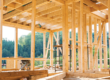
x: 9, y: 32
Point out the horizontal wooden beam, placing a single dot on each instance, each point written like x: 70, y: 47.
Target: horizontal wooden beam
x: 60, y: 2
x: 15, y: 25
x: 104, y: 2
x: 37, y: 59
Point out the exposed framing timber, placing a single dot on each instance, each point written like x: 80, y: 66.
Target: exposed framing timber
x: 48, y: 46
x: 65, y: 37
x: 44, y: 49
x: 100, y: 47
x: 20, y: 26
x: 16, y: 47
x: 109, y: 23
x: 90, y: 44
x: 105, y: 46
x: 73, y: 38
x: 33, y: 34
x: 95, y: 42
x: 57, y: 48
x: 56, y: 41
x: 51, y: 49
x: 81, y: 35
x: 1, y: 17
x: 85, y: 43
x: 98, y: 43
x: 79, y: 40
x: 25, y: 8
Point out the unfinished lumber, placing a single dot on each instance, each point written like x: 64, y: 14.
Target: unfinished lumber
x: 100, y: 47
x: 109, y: 23
x: 44, y: 49
x: 105, y: 48
x: 79, y: 40
x: 65, y: 37
x: 81, y: 36
x: 57, y: 48
x: 51, y: 49
x: 22, y: 74
x: 1, y: 17
x: 16, y: 47
x: 73, y: 38
x: 85, y: 43
x: 33, y: 34
x: 95, y: 42
x: 90, y: 42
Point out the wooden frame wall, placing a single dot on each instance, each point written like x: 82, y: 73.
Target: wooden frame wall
x: 82, y: 36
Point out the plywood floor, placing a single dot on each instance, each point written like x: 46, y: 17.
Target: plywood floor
x: 79, y: 79
x: 72, y: 79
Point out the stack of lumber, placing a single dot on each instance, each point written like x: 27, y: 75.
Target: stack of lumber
x: 20, y: 75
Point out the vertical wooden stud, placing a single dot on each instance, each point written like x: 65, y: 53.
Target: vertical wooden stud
x: 95, y: 42
x: 16, y: 47
x: 33, y: 34
x: 79, y: 44
x: 85, y: 43
x: 100, y: 47
x: 51, y: 49
x: 109, y: 24
x: 105, y: 46
x: 58, y: 48
x: 90, y: 44
x: 73, y: 39
x: 1, y: 17
x: 81, y: 35
x: 65, y: 37
x: 44, y: 49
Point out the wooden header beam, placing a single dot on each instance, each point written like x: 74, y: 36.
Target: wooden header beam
x: 5, y: 23
x: 38, y: 59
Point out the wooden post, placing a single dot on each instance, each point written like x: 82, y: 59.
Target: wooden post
x: 109, y: 25
x: 100, y: 47
x: 95, y: 30
x: 16, y: 47
x: 79, y: 40
x: 33, y: 34
x: 90, y: 44
x: 81, y: 36
x: 95, y: 42
x: 85, y: 43
x: 57, y: 48
x: 65, y: 37
x: 1, y: 17
x: 73, y: 39
x: 105, y: 46
x: 44, y: 50
x: 51, y: 49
